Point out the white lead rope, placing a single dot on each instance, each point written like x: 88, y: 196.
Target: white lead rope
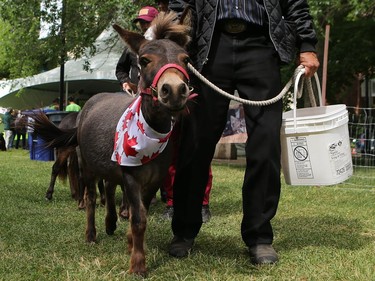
x: 294, y: 80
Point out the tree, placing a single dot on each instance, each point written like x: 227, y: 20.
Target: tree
x: 22, y: 53
x: 352, y: 42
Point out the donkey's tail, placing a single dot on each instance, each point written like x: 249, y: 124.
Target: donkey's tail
x: 51, y: 134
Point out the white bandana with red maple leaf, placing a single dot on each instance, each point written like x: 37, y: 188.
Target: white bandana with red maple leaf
x: 136, y: 143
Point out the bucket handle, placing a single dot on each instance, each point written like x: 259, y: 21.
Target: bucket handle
x: 296, y: 92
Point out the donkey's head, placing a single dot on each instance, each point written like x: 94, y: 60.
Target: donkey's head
x: 163, y: 60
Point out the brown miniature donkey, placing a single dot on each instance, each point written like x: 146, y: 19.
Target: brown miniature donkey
x: 164, y: 93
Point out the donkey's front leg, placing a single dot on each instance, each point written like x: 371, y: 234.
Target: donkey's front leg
x: 138, y: 222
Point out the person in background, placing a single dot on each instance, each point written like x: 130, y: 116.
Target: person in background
x: 9, y: 128
x: 21, y: 130
x: 55, y: 104
x: 168, y: 188
x: 127, y: 69
x: 72, y: 106
x: 239, y: 45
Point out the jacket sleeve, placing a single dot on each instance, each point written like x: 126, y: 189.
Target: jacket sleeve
x: 177, y: 6
x: 123, y: 67
x: 297, y: 11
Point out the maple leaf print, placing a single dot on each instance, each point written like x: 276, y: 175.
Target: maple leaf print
x: 118, y: 157
x: 140, y: 126
x: 128, y: 117
x: 128, y: 145
x: 155, y: 154
x: 145, y: 159
x: 166, y: 138
x: 116, y: 140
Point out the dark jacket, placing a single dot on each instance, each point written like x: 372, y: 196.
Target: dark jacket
x: 9, y: 121
x: 290, y: 27
x: 127, y: 68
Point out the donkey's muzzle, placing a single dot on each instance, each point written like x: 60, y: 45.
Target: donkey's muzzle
x: 173, y: 94
x: 168, y: 91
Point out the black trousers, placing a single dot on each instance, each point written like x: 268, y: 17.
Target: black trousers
x: 249, y: 64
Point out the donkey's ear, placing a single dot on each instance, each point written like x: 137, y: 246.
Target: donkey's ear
x: 132, y: 39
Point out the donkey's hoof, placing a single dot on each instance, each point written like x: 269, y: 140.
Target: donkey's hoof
x: 48, y: 196
x: 140, y: 272
x: 102, y: 202
x: 81, y: 205
x: 110, y: 230
x: 91, y: 237
x: 138, y: 263
x: 124, y: 214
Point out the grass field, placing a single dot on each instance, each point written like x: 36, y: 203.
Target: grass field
x: 321, y: 233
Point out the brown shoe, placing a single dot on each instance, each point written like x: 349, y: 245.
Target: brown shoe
x: 263, y: 254
x: 180, y: 247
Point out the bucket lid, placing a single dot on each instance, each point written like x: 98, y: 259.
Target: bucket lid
x: 314, y: 112
x: 314, y: 119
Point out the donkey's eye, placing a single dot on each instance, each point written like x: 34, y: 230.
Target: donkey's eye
x: 143, y: 61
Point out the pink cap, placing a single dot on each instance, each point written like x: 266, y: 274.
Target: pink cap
x: 147, y: 13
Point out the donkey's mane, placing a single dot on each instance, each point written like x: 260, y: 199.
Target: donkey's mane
x: 168, y: 26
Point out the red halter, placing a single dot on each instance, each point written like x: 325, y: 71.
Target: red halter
x: 152, y: 89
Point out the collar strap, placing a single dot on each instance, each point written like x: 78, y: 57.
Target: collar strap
x: 164, y: 68
x: 152, y: 89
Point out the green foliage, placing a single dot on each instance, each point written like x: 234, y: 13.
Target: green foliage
x: 351, y: 42
x: 351, y: 52
x: 22, y: 53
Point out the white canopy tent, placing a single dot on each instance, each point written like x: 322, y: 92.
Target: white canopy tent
x: 40, y: 90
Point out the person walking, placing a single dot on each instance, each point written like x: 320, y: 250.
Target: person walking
x: 239, y: 45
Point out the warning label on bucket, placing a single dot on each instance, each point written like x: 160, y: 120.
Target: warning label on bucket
x: 301, y: 158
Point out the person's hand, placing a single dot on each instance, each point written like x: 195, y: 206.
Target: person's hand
x: 126, y: 87
x: 310, y: 61
x: 129, y: 88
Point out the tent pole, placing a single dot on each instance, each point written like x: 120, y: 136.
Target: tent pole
x: 66, y: 92
x: 62, y: 55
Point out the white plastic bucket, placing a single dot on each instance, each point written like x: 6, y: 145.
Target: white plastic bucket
x: 315, y: 146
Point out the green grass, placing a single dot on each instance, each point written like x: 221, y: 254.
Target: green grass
x: 321, y: 233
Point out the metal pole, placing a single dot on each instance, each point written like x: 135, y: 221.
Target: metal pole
x: 61, y: 90
x: 62, y: 55
x: 325, y: 64
x: 66, y: 93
